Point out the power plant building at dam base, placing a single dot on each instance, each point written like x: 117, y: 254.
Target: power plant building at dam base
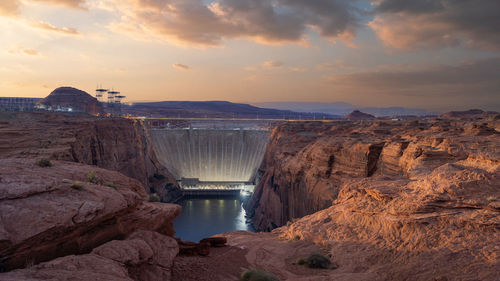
x: 213, y: 157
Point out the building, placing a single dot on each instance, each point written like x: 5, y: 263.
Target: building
x: 18, y: 104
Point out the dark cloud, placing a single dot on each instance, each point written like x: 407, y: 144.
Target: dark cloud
x: 429, y: 24
x: 195, y: 21
x: 409, y: 6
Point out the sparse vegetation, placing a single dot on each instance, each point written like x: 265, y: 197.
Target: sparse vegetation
x: 92, y: 178
x: 258, y: 275
x: 29, y: 263
x: 490, y: 199
x: 318, y: 261
x: 44, y: 162
x: 112, y: 185
x: 154, y: 198
x: 77, y: 185
x: 296, y: 237
x: 301, y: 261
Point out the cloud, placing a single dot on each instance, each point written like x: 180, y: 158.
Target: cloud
x: 196, y: 22
x: 50, y: 27
x: 67, y: 3
x: 181, y: 66
x: 24, y: 51
x: 468, y: 78
x: 11, y: 7
x: 272, y: 64
x: 407, y: 24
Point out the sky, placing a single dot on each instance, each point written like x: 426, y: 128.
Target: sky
x: 431, y: 54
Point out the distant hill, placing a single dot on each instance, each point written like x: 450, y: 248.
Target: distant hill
x: 471, y: 113
x: 343, y: 108
x: 358, y: 115
x: 71, y: 98
x: 215, y: 109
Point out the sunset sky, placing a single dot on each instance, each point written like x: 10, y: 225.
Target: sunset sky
x: 431, y: 54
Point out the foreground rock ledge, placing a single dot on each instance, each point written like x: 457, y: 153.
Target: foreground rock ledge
x: 43, y: 217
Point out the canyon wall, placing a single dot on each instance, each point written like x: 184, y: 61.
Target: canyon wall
x: 306, y: 164
x: 83, y: 212
x: 117, y: 144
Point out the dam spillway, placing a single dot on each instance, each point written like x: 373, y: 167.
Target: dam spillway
x: 211, y: 155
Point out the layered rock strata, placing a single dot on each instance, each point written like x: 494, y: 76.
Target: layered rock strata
x: 117, y: 144
x: 49, y: 212
x: 306, y: 164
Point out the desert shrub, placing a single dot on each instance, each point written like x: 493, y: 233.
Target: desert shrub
x: 296, y: 237
x: 154, y: 198
x: 77, y: 185
x: 258, y: 275
x: 92, y: 178
x: 317, y: 261
x: 301, y: 261
x: 112, y: 185
x: 44, y: 162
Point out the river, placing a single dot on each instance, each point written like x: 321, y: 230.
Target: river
x: 201, y: 218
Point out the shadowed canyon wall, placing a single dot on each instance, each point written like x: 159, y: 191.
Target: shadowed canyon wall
x: 213, y: 155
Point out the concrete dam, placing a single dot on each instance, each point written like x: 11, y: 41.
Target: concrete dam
x: 207, y: 156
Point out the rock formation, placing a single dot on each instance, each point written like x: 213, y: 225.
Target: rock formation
x: 77, y: 100
x: 49, y: 212
x: 306, y: 164
x: 403, y: 200
x: 111, y: 143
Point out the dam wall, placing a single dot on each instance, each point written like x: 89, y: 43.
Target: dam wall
x: 211, y: 155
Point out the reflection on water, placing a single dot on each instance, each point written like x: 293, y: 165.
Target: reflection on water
x: 201, y: 218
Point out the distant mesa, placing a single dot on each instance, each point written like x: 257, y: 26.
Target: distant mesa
x: 358, y: 115
x: 471, y: 113
x: 71, y: 100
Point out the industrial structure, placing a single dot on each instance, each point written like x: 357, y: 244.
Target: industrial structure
x: 212, y: 156
x: 113, y: 105
x: 18, y: 104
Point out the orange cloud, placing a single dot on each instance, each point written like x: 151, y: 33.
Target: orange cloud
x: 50, y: 27
x: 9, y: 8
x: 25, y: 51
x: 272, y: 64
x: 67, y: 3
x: 181, y: 66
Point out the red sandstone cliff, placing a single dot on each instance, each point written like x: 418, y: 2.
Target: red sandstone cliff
x: 117, y: 144
x: 77, y: 100
x: 306, y: 164
x: 50, y: 212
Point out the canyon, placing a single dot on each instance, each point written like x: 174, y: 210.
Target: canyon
x: 387, y: 200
